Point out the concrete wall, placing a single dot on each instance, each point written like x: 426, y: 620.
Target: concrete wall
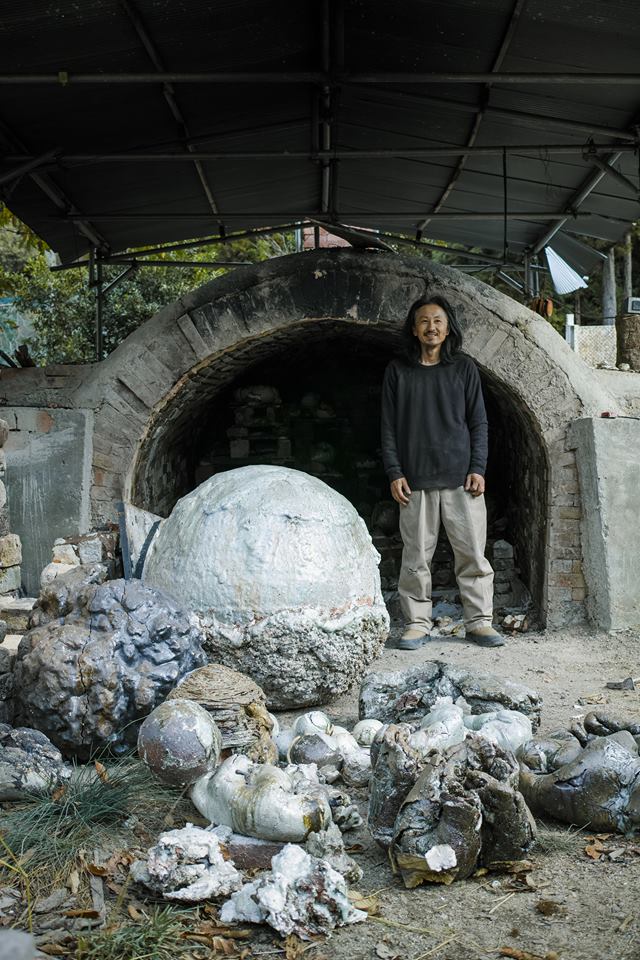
x: 608, y: 459
x: 48, y: 474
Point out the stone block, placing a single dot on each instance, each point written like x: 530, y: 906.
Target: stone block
x: 91, y: 550
x: 10, y: 579
x: 10, y: 550
x: 3, y: 495
x: 65, y: 553
x: 15, y: 612
x: 502, y: 550
x: 4, y: 432
x: 6, y: 686
x: 502, y: 564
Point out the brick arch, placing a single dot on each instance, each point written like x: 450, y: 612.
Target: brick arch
x: 156, y: 379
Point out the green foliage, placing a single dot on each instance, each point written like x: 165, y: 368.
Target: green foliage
x: 158, y: 938
x: 52, y: 826
x: 61, y: 306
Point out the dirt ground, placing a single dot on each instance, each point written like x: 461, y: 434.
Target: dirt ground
x: 598, y: 913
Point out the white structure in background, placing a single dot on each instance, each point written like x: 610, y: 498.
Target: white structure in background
x: 596, y: 345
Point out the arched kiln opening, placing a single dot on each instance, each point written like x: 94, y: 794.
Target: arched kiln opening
x: 308, y: 397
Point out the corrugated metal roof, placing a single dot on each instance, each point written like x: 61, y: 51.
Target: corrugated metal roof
x: 152, y: 202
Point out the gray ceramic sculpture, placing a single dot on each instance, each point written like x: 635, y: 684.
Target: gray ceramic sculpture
x: 284, y: 576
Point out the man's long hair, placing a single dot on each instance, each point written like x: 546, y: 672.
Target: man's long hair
x: 411, y: 351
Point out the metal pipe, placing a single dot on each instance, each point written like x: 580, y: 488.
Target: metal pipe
x: 28, y: 166
x: 66, y: 78
x: 330, y: 154
x: 343, y: 217
x: 619, y: 177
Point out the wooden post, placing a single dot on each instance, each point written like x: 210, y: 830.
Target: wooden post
x: 609, y: 307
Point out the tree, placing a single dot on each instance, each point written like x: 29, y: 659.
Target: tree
x: 61, y: 305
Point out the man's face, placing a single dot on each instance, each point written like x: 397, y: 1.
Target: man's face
x: 430, y: 325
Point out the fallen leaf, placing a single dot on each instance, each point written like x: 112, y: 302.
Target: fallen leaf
x: 293, y: 947
x: 88, y: 912
x: 525, y: 955
x: 101, y: 770
x: 58, y: 794
x: 74, y: 882
x: 135, y: 914
x: 550, y: 908
x: 616, y: 853
x: 361, y: 901
x: 53, y: 949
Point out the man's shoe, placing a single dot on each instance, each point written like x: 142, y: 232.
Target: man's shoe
x: 485, y: 637
x: 412, y: 639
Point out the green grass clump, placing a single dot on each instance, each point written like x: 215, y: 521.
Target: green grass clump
x: 47, y: 829
x: 159, y: 938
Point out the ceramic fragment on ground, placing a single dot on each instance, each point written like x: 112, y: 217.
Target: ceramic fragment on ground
x: 28, y: 762
x: 189, y: 865
x: 408, y: 695
x: 179, y: 742
x: 260, y: 800
x: 301, y: 895
x: 596, y: 782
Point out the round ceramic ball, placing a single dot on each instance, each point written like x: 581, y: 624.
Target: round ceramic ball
x: 179, y: 742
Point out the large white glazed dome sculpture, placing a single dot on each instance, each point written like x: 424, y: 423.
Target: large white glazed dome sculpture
x: 283, y: 573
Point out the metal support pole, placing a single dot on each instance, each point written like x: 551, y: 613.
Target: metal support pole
x: 95, y: 283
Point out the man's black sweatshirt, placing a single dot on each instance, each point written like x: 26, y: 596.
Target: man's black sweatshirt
x: 434, y: 423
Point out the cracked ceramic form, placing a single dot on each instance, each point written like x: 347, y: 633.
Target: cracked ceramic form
x: 102, y: 656
x: 284, y: 576
x: 593, y: 779
x: 464, y: 812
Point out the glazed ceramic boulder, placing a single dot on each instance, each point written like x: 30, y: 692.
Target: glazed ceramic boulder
x: 284, y: 577
x: 98, y: 659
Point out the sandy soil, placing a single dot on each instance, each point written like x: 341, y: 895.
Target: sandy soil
x: 598, y: 915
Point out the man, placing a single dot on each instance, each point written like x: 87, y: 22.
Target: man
x: 434, y: 448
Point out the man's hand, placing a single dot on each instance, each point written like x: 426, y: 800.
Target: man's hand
x: 400, y: 491
x: 474, y: 484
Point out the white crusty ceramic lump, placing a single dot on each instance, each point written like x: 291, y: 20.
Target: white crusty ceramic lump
x: 283, y: 573
x: 301, y: 895
x: 187, y: 864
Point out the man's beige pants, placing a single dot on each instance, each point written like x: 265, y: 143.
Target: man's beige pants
x: 465, y: 521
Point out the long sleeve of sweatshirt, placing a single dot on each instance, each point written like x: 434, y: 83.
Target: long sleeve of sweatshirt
x: 433, y: 423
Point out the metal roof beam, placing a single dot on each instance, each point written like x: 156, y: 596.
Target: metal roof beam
x: 57, y: 196
x: 169, y: 95
x: 389, y: 153
x: 28, y: 164
x: 497, y: 63
x: 343, y: 217
x: 520, y: 116
x: 65, y: 78
x: 577, y: 199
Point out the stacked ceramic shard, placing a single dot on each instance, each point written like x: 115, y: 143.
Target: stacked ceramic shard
x: 238, y: 706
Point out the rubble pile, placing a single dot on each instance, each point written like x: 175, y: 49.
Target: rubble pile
x: 83, y: 550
